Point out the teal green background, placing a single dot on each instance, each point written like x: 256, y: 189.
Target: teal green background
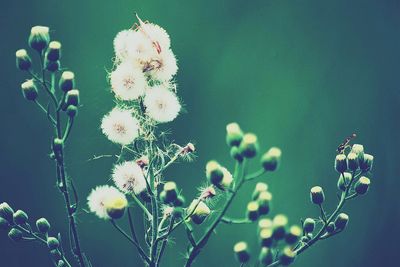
x: 301, y: 74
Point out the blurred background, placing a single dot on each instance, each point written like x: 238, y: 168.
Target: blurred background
x: 303, y: 75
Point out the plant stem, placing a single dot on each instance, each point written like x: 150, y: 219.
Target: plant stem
x: 164, y: 243
x: 140, y: 204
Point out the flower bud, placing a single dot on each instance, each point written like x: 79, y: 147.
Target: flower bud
x: 116, y: 207
x: 43, y: 225
x: 241, y: 251
x: 29, y: 90
x: 72, y: 111
x: 67, y: 81
x: 260, y: 187
x: 177, y: 212
x: 179, y: 201
x: 252, y: 211
x: 23, y: 60
x: 200, y: 213
x: 4, y: 225
x: 266, y: 237
x: 271, y: 159
x: 214, y: 172
x: 317, y: 195
x: 367, y: 162
x: 72, y: 98
x: 234, y: 134
x: 171, y: 192
x: 235, y: 154
x: 266, y: 256
x: 280, y: 222
x: 53, y: 243
x: 263, y: 201
x: 264, y: 224
x: 58, y: 145
x: 352, y: 161
x: 61, y: 263
x: 6, y: 212
x: 309, y: 225
x: 52, y: 66
x: 344, y: 180
x: 362, y: 185
x: 20, y: 217
x: 227, y: 179
x: 341, y: 221
x: 330, y: 228
x: 15, y: 235
x: 53, y: 51
x: 340, y: 163
x: 287, y: 256
x: 249, y: 146
x: 39, y: 38
x: 293, y: 234
x: 359, y: 151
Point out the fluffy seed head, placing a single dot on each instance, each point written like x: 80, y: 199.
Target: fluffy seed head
x: 120, y: 126
x: 162, y: 105
x: 129, y: 177
x: 100, y: 197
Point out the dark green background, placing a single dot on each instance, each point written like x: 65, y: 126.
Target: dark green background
x: 300, y: 74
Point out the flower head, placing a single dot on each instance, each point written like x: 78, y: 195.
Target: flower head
x: 100, y: 196
x: 162, y: 66
x: 161, y: 104
x: 120, y: 126
x: 121, y: 43
x: 128, y: 177
x: 127, y: 81
x: 158, y: 36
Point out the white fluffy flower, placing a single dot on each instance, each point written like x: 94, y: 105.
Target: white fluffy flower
x: 100, y: 196
x: 121, y: 44
x: 129, y: 177
x: 162, y: 105
x: 120, y: 126
x: 159, y: 37
x: 163, y: 66
x: 127, y: 81
x: 140, y: 48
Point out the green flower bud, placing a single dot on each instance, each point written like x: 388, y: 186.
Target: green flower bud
x: 266, y: 256
x: 279, y: 222
x: 341, y: 221
x: 72, y: 111
x: 317, y: 195
x: 116, y: 207
x: 53, y: 243
x: 23, y: 60
x: 344, y: 180
x: 39, y: 38
x: 58, y: 145
x: 330, y: 228
x: 67, y: 81
x: 340, y: 163
x: 309, y: 225
x: 352, y: 161
x: 61, y: 263
x: 179, y: 201
x: 293, y: 235
x: 287, y: 256
x: 264, y: 224
x: 271, y: 159
x: 20, y: 217
x: 263, y: 201
x: 266, y: 237
x: 249, y: 146
x: 200, y: 213
x: 234, y: 134
x: 53, y: 52
x: 362, y: 185
x: 214, y: 172
x: 177, y: 212
x: 4, y: 225
x: 52, y: 66
x: 171, y: 192
x: 366, y: 164
x: 359, y: 151
x: 43, y: 225
x: 260, y: 187
x: 235, y: 154
x: 72, y: 98
x: 252, y: 211
x: 29, y: 90
x: 6, y: 212
x: 15, y: 235
x: 242, y: 252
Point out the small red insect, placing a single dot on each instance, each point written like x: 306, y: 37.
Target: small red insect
x: 345, y: 144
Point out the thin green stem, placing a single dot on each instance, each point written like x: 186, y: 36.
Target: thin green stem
x: 164, y: 243
x: 52, y: 120
x: 143, y: 207
x: 228, y: 220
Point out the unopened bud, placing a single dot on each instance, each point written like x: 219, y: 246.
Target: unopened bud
x: 264, y: 224
x: 234, y: 134
x: 317, y: 195
x: 58, y: 145
x: 260, y: 187
x: 309, y: 225
x: 72, y: 98
x: 23, y: 60
x: 271, y: 159
x: 352, y: 161
x: 116, y: 207
x: 29, y: 90
x: 177, y: 212
x: 293, y: 235
x: 341, y: 221
x: 214, y: 172
x: 249, y: 146
x: 6, y: 212
x: 280, y: 222
x: 39, y: 38
x: 252, y: 211
x: 340, y: 163
x: 330, y: 228
x: 200, y: 213
x: 72, y: 111
x: 359, y: 151
x: 266, y: 237
x: 20, y: 217
x: 367, y: 162
x: 53, y: 51
x: 264, y: 200
x: 43, y: 225
x: 52, y: 243
x: 227, y: 179
x: 362, y: 185
x: 61, y: 263
x: 4, y: 225
x: 242, y: 252
x: 344, y: 181
x: 67, y: 81
x: 287, y: 256
x: 171, y: 192
x: 15, y: 235
x: 235, y: 154
x: 179, y: 201
x: 52, y: 66
x: 266, y: 256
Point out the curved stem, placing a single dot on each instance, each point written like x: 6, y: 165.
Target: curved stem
x: 164, y: 243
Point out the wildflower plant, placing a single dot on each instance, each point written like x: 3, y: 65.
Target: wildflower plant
x: 142, y: 82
